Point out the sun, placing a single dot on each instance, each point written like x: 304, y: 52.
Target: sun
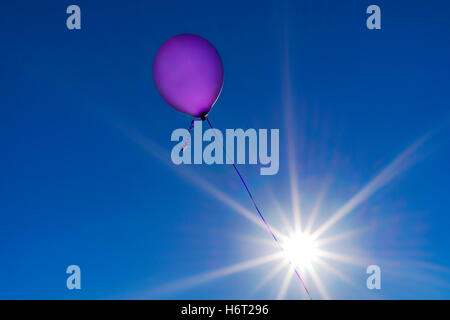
x: 300, y: 249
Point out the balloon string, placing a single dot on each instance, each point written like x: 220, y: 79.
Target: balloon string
x: 259, y: 212
x: 188, y: 137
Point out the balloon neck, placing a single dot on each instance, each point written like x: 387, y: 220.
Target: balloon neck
x: 203, y: 116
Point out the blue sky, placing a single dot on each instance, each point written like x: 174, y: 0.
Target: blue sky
x: 85, y: 138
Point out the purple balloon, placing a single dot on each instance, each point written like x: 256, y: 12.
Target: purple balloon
x: 188, y: 74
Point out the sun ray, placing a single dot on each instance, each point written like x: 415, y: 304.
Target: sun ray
x: 343, y: 235
x: 285, y: 285
x: 296, y: 204
x: 316, y: 209
x: 271, y: 275
x: 398, y: 165
x: 182, y: 284
x: 318, y: 283
x: 335, y: 271
x: 341, y: 258
x: 291, y: 152
x: 266, y: 241
x: 280, y: 212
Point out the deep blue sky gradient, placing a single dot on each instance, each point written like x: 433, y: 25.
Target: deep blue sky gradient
x: 76, y: 188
